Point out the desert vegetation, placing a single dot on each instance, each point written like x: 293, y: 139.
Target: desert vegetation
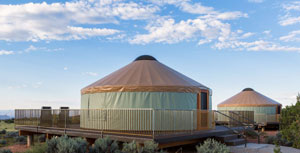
x: 289, y: 133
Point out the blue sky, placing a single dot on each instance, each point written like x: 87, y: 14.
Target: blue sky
x: 49, y: 50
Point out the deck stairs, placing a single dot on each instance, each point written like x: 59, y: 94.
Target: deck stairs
x: 237, y: 136
x: 231, y: 139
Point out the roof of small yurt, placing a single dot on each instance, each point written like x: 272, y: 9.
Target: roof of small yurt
x: 145, y: 73
x: 248, y: 97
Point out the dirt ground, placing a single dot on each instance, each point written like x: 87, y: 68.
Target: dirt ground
x: 262, y: 139
x: 17, y: 148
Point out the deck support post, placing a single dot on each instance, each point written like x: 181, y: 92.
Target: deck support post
x: 30, y: 141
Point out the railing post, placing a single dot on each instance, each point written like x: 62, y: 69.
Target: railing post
x: 153, y: 123
x: 65, y: 120
x: 192, y: 121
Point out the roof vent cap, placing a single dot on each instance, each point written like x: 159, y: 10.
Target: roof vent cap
x: 248, y: 89
x: 145, y: 57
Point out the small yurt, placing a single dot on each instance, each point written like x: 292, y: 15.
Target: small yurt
x: 146, y: 85
x: 265, y: 109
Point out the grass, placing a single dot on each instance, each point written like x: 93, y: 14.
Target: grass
x: 38, y: 148
x: 7, y: 126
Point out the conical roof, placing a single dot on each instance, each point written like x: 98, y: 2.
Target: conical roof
x: 248, y: 97
x: 145, y: 73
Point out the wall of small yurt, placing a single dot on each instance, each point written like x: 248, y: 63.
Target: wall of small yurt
x: 144, y: 84
x: 265, y: 109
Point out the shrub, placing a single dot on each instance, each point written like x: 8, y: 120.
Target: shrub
x: 21, y: 139
x: 277, y: 148
x: 131, y: 147
x: 279, y: 139
x: 212, y: 146
x: 9, y: 121
x: 3, y: 131
x: 3, y: 142
x: 149, y: 147
x: 5, y: 151
x: 11, y: 134
x: 251, y: 133
x: 105, y: 145
x: 39, y: 148
x: 42, y: 138
x: 290, y: 124
x: 64, y: 144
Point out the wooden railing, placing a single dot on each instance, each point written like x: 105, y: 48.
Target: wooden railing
x: 141, y: 121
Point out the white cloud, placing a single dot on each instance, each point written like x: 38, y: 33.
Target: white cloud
x: 66, y: 68
x: 30, y: 48
x: 291, y: 14
x: 255, y: 1
x: 6, y: 52
x: 61, y: 21
x: 292, y: 36
x: 34, y: 48
x: 259, y: 45
x: 207, y: 27
x: 168, y: 31
x: 267, y: 32
x: 90, y: 73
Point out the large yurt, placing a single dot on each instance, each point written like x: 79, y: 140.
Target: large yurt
x: 265, y: 109
x: 143, y: 92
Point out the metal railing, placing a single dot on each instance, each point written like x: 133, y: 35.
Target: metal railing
x: 266, y: 118
x: 139, y: 121
x: 231, y: 117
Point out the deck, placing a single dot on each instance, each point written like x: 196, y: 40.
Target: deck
x: 164, y: 141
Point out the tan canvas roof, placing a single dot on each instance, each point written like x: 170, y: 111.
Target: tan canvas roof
x: 145, y: 74
x: 248, y: 97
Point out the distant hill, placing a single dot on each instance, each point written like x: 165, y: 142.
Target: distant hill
x: 7, y: 114
x: 4, y: 117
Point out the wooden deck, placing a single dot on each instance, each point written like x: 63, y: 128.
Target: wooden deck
x: 164, y: 141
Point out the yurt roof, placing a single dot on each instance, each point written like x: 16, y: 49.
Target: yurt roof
x: 145, y: 73
x: 248, y: 97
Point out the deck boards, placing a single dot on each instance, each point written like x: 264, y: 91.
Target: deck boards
x: 127, y: 137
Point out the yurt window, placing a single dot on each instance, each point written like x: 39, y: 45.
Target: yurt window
x: 203, y: 100
x: 278, y: 109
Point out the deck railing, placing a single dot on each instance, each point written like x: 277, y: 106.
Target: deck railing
x: 141, y: 121
x: 245, y: 117
x: 267, y: 118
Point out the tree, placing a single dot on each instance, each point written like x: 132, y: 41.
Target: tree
x: 290, y: 123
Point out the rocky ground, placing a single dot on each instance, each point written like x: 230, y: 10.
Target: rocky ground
x: 261, y: 148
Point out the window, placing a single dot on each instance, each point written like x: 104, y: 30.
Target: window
x: 278, y: 109
x: 204, y: 101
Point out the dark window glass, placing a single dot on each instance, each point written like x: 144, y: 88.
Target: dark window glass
x: 278, y: 107
x: 203, y: 100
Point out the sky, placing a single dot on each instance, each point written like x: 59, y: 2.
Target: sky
x: 50, y: 50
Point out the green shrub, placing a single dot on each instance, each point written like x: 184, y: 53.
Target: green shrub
x: 3, y: 131
x: 11, y: 134
x: 64, y: 144
x: 270, y: 139
x: 5, y: 151
x: 3, y: 142
x: 212, y: 146
x: 39, y: 148
x: 290, y: 123
x: 21, y: 139
x: 149, y: 147
x: 42, y: 138
x: 278, y: 139
x: 131, y: 147
x: 251, y: 133
x: 277, y: 148
x: 9, y: 121
x: 52, y: 145
x: 105, y: 145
